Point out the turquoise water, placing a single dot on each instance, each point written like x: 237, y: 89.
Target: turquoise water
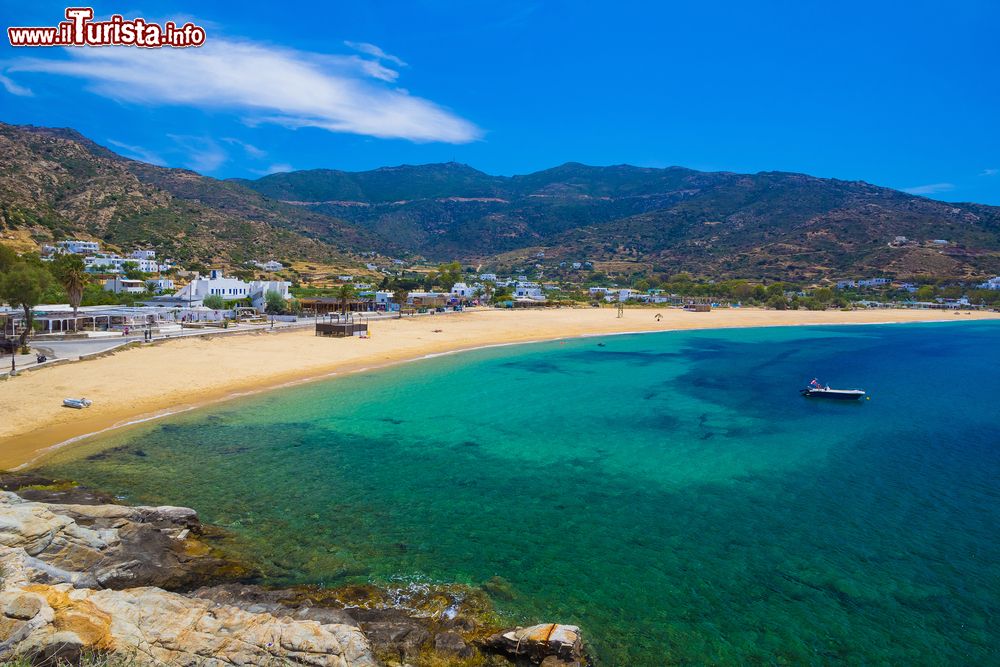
x: 671, y: 493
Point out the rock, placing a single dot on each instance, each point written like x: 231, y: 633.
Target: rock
x: 540, y: 642
x: 451, y: 643
x: 160, y: 627
x: 23, y: 607
x: 111, y: 546
x: 63, y: 647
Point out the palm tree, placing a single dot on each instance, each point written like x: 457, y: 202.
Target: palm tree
x: 69, y: 270
x: 346, y: 294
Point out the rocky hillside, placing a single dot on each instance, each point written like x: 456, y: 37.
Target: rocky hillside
x: 56, y: 183
x: 770, y: 224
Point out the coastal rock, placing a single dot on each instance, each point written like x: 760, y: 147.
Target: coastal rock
x: 557, y: 644
x: 74, y: 579
x: 156, y: 626
x: 110, y: 546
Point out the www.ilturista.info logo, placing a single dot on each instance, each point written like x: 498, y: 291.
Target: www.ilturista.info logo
x: 79, y: 29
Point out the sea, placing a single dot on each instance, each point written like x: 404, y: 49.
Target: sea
x: 670, y: 493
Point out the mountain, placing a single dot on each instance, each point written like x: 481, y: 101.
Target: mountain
x: 770, y: 224
x: 56, y: 183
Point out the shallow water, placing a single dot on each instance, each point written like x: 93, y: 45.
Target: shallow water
x: 671, y: 493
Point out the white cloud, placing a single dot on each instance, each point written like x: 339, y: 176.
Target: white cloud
x: 139, y: 153
x: 930, y: 188
x: 13, y: 88
x: 990, y: 172
x: 201, y: 154
x: 266, y: 83
x: 249, y: 149
x: 372, y: 50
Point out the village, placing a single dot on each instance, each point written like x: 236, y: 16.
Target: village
x: 142, y: 297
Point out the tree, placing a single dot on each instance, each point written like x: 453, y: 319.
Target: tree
x: 346, y: 293
x: 400, y: 295
x: 778, y: 302
x: 131, y: 271
x: 8, y: 258
x: 925, y: 293
x: 23, y: 285
x: 502, y: 294
x: 215, y: 302
x: 823, y: 294
x: 275, y: 303
x: 70, y: 272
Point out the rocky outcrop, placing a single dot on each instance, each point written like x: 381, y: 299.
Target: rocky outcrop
x: 75, y: 578
x: 85, y: 575
x: 112, y: 546
x: 547, y: 644
x: 59, y: 621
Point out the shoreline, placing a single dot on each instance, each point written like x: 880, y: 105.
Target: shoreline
x: 40, y: 431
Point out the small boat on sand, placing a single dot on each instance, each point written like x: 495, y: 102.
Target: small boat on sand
x: 817, y: 390
x: 78, y: 403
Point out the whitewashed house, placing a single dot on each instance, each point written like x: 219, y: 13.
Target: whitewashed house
x: 143, y: 254
x: 231, y: 289
x: 120, y: 285
x: 491, y: 277
x: 992, y: 283
x: 462, y: 291
x: 529, y: 290
x: 160, y: 285
x: 76, y: 247
x: 112, y: 263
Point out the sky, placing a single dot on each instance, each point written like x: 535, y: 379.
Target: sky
x: 900, y: 94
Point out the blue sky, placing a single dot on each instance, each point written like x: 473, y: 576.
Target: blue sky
x: 902, y: 94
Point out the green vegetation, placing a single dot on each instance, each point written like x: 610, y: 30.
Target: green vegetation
x: 275, y: 303
x: 71, y: 274
x: 23, y: 285
x: 215, y: 302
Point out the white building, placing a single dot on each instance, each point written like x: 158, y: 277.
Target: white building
x: 371, y: 267
x: 120, y: 285
x: 78, y: 247
x: 160, y: 285
x: 992, y: 283
x: 462, y: 291
x: 270, y: 265
x: 231, y: 289
x: 492, y: 277
x: 527, y: 290
x: 873, y: 282
x: 143, y: 254
x: 112, y: 263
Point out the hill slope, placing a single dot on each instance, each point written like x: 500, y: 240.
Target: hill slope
x: 770, y: 224
x: 56, y: 183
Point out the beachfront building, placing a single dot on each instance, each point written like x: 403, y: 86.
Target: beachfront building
x: 462, y: 292
x: 120, y: 285
x: 77, y: 247
x: 428, y: 299
x: 528, y: 290
x: 231, y: 289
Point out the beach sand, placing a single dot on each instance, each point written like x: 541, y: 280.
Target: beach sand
x: 140, y: 383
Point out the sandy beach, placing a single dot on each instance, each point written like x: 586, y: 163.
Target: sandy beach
x: 140, y: 383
